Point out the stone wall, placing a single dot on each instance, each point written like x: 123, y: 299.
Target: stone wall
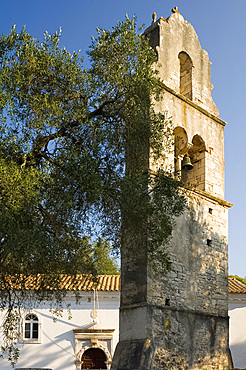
x: 171, y: 36
x: 191, y: 341
x: 179, y: 320
x: 189, y: 320
x: 194, y: 121
x: 198, y: 252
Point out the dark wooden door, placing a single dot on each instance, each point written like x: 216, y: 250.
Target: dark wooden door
x: 94, y: 358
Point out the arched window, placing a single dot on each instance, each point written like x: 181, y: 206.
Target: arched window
x: 94, y: 358
x: 31, y: 327
x: 180, y: 148
x: 196, y: 153
x: 185, y: 80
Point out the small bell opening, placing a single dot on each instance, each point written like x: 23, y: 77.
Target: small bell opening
x: 186, y: 163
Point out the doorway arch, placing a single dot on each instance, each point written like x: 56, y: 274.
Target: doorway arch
x: 94, y: 358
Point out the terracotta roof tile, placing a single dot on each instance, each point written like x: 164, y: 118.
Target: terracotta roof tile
x: 109, y: 283
x: 104, y: 283
x: 235, y: 286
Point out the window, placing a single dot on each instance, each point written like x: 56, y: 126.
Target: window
x: 180, y: 148
x: 185, y: 81
x: 31, y: 327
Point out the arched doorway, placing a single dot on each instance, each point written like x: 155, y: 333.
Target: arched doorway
x: 94, y: 358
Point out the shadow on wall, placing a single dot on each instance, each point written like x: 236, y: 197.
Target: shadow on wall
x: 239, y: 355
x: 53, y: 353
x: 194, y: 292
x: 237, y: 313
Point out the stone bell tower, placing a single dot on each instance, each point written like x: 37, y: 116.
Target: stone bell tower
x: 180, y: 320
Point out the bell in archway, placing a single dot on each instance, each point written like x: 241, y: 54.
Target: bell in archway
x: 186, y: 163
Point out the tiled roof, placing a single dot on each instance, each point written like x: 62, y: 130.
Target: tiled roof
x: 104, y: 283
x: 235, y: 286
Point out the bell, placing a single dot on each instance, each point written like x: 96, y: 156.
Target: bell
x: 186, y: 163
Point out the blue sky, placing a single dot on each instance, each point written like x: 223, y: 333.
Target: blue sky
x: 221, y: 29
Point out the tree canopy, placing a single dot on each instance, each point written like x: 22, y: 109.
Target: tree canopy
x: 74, y: 152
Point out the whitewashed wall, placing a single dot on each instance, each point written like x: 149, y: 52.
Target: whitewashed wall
x: 56, y: 349
x: 237, y: 331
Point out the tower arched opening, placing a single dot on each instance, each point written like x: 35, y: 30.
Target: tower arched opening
x: 196, y: 153
x: 180, y: 148
x: 185, y: 75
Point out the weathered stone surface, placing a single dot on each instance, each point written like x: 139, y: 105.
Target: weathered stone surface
x: 134, y: 355
x: 179, y: 320
x: 170, y: 38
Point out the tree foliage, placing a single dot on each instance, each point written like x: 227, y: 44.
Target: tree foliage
x: 75, y: 151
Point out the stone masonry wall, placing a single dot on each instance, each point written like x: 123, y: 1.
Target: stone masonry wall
x: 198, y: 252
x: 179, y: 320
x: 194, y: 122
x: 190, y: 342
x: 189, y: 323
x: 171, y: 36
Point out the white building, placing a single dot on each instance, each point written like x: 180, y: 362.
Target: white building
x: 237, y: 314
x: 84, y: 336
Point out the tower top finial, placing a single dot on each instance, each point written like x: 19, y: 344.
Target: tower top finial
x: 153, y: 17
x: 175, y: 10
